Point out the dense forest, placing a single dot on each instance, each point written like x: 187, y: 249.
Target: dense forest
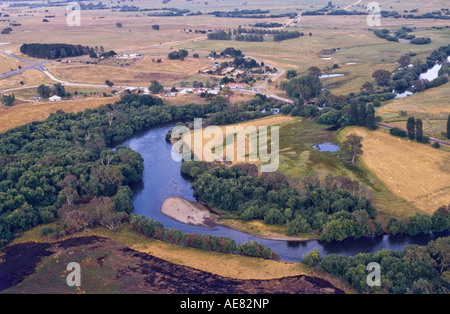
x: 54, y: 51
x: 334, y: 210
x: 67, y: 160
x: 414, y: 270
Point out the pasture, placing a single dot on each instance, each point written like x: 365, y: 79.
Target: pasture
x: 415, y: 172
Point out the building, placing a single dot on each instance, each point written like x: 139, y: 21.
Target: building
x: 55, y: 98
x: 237, y: 85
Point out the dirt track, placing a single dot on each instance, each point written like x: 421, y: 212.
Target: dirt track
x: 109, y: 267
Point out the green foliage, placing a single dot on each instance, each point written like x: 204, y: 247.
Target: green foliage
x: 123, y: 200
x: 448, y: 127
x: 312, y: 258
x: 255, y: 249
x: 156, y: 87
x: 415, y: 269
x: 269, y: 197
x: 398, y: 132
x: 305, y: 87
x: 8, y: 100
x: 286, y: 36
x: 44, y: 91
x: 53, y: 51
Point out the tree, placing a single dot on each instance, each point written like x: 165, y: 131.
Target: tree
x: 312, y: 258
x: 440, y: 251
x: 411, y: 127
x: 353, y: 113
x: 419, y: 130
x: 155, y: 87
x: 370, y: 121
x: 63, y: 53
x: 59, y: 90
x: 367, y: 88
x: 353, y: 145
x: 314, y: 71
x: 44, y: 91
x: 155, y: 27
x: 382, y: 77
x: 7, y: 30
x: 405, y: 61
x: 183, y: 54
x: 123, y: 200
x: 8, y: 100
x: 291, y: 74
x: 119, y: 25
x: 362, y: 114
x: 109, y: 83
x: 448, y: 127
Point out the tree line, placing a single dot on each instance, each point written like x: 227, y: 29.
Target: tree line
x: 54, y: 51
x: 414, y: 270
x: 154, y: 229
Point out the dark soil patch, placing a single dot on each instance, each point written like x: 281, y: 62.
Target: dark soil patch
x: 109, y: 267
x: 19, y: 261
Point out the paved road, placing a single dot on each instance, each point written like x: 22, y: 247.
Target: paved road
x: 297, y: 18
x: 431, y: 139
x: 34, y: 65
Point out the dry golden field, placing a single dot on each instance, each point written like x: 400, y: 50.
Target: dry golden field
x: 415, y: 172
x: 25, y: 112
x: 139, y: 74
x: 29, y: 78
x: 209, y: 154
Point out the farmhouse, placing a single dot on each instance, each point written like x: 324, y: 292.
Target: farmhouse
x: 237, y: 85
x: 129, y: 55
x: 55, y: 98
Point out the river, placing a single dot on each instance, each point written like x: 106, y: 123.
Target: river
x: 429, y: 75
x: 162, y: 178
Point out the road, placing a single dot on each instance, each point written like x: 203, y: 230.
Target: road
x: 431, y: 139
x: 297, y: 18
x: 352, y: 5
x: 34, y: 65
x: 259, y: 89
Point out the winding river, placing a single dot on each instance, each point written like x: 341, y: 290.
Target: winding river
x: 162, y: 179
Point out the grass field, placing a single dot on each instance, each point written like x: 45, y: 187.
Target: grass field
x: 210, y: 154
x: 29, y: 78
x: 415, y: 172
x: 298, y: 158
x: 26, y: 112
x: 431, y: 106
x: 139, y: 74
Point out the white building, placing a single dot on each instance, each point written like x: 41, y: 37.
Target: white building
x: 55, y: 98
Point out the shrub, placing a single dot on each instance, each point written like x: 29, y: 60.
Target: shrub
x: 312, y: 258
x: 46, y: 231
x: 398, y: 132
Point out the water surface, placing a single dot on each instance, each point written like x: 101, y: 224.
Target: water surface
x: 162, y: 179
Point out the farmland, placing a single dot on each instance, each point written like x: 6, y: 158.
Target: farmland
x: 399, y: 163
x: 397, y: 179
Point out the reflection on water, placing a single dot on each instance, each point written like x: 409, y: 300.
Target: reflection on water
x: 327, y: 147
x: 162, y: 178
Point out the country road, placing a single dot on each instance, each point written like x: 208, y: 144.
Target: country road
x: 431, y: 139
x: 261, y: 88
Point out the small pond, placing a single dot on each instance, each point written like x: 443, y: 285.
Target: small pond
x: 331, y: 75
x: 327, y: 147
